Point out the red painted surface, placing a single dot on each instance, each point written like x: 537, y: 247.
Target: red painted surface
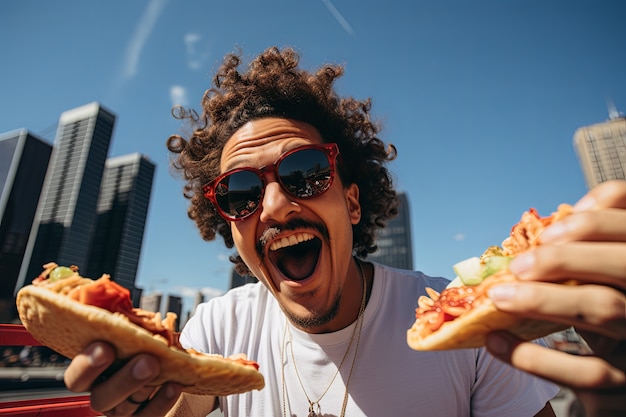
x: 77, y: 406
x: 72, y: 406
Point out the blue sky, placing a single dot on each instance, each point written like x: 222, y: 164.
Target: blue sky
x: 481, y: 98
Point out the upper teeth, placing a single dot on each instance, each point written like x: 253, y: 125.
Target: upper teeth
x: 290, y: 240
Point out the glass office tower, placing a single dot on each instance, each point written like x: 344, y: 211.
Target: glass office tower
x: 121, y: 218
x: 395, y: 247
x: 63, y: 222
x: 24, y: 159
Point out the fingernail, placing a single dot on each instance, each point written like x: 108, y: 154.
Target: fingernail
x: 142, y: 369
x: 585, y: 203
x: 553, y: 232
x: 522, y: 263
x: 497, y: 344
x: 96, y: 355
x: 502, y: 292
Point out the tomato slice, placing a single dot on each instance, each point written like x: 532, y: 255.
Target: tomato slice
x: 433, y: 319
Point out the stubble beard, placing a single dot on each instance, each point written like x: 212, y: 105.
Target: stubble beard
x: 315, y: 319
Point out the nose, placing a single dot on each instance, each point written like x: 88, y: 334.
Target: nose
x: 277, y: 204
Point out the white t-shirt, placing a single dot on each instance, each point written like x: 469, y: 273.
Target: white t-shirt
x: 389, y: 378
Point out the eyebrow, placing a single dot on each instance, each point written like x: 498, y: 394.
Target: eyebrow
x: 240, y: 161
x: 244, y: 160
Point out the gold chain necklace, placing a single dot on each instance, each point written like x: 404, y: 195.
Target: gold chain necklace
x: 315, y: 409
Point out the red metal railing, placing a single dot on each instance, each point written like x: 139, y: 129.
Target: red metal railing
x: 77, y: 406
x: 64, y: 406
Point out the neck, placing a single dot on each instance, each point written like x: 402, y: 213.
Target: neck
x: 315, y: 407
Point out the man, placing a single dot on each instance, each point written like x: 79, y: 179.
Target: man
x: 294, y: 177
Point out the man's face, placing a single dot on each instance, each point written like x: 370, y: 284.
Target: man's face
x: 299, y: 248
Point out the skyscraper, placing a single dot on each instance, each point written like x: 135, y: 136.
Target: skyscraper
x: 601, y: 150
x: 199, y: 299
x: 395, y: 247
x: 23, y: 162
x: 175, y: 305
x: 237, y: 280
x: 151, y: 302
x: 121, y: 217
x: 61, y: 229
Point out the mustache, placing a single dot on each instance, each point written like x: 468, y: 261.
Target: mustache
x: 269, y: 233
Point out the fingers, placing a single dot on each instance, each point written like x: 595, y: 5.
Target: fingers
x: 566, y: 249
x: 607, y: 194
x: 602, y: 263
x: 87, y: 366
x: 594, y: 307
x: 590, y: 247
x: 608, y: 225
x: 127, y: 391
x: 152, y: 405
x: 163, y: 401
x: 578, y: 372
x: 128, y: 382
x: 133, y: 404
x: 587, y: 245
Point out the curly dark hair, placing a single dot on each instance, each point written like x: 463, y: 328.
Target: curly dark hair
x: 274, y: 86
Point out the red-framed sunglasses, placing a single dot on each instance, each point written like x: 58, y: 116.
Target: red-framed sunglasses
x: 303, y: 172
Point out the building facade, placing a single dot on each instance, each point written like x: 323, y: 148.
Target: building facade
x: 237, y: 280
x: 63, y: 222
x: 69, y: 204
x: 121, y: 217
x: 151, y: 302
x: 24, y: 159
x: 601, y: 150
x: 395, y: 247
x: 175, y: 305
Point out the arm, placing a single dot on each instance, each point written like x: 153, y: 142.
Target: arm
x: 590, y: 247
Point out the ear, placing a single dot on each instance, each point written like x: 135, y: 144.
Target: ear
x: 352, y: 199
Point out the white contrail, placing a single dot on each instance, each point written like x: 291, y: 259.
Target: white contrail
x: 338, y: 17
x: 140, y: 37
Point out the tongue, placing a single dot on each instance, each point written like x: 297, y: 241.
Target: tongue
x: 299, y: 261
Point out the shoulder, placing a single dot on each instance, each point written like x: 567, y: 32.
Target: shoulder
x: 242, y: 302
x: 394, y: 296
x: 405, y: 277
x: 236, y: 312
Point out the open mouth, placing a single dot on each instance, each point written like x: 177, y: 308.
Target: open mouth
x: 296, y: 256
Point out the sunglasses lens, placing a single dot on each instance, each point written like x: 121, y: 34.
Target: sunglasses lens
x: 305, y: 173
x: 239, y: 194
